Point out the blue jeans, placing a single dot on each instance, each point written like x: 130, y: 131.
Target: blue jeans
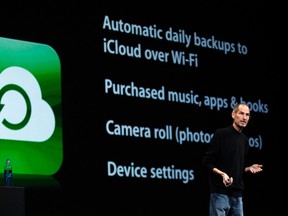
x: 223, y: 205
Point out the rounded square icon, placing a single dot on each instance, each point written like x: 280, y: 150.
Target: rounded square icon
x: 30, y: 107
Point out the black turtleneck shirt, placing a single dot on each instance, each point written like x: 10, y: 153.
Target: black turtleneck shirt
x: 227, y: 151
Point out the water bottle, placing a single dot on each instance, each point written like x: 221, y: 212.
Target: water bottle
x: 8, y: 173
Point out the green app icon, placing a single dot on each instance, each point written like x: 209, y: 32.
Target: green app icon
x: 30, y: 107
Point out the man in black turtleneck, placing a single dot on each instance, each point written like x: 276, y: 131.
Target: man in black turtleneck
x: 225, y: 161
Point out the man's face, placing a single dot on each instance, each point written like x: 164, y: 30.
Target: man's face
x: 241, y: 116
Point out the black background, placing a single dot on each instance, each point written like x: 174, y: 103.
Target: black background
x: 75, y: 31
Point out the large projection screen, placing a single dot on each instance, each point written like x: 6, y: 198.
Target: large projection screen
x: 137, y: 95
